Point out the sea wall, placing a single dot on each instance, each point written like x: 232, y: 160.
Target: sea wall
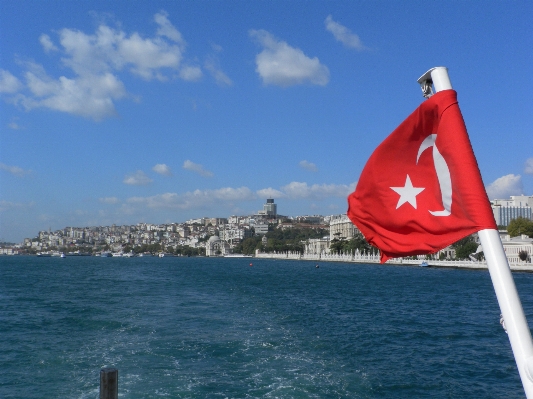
x: 369, y: 258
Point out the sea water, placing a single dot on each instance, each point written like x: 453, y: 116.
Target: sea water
x: 181, y: 327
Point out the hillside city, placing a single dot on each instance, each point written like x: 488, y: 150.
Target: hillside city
x: 266, y: 231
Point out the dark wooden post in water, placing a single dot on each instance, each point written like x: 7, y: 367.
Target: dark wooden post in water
x: 109, y: 383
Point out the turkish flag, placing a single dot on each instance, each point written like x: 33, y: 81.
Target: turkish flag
x: 421, y: 189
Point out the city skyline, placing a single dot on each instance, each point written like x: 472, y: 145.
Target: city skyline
x: 113, y: 113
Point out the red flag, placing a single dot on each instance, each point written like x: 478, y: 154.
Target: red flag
x: 421, y: 189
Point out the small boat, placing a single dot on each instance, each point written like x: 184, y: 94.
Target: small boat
x: 106, y: 254
x: 424, y: 264
x: 78, y: 253
x: 44, y: 254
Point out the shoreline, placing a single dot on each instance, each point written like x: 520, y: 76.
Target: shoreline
x: 370, y: 259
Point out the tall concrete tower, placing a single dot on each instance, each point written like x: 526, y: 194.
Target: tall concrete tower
x: 270, y: 208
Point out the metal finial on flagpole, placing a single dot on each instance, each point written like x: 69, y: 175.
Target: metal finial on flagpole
x: 436, y: 77
x: 513, y: 318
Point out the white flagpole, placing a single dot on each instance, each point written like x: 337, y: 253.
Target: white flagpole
x: 514, y: 320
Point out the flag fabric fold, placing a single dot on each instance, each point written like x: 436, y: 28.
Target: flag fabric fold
x: 421, y: 189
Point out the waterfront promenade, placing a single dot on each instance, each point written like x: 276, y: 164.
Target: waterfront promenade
x: 369, y: 258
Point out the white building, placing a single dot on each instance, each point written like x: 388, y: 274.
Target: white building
x: 216, y: 247
x: 261, y: 229
x: 316, y: 246
x: 200, y: 221
x: 269, y: 209
x: 234, y: 233
x: 513, y: 246
x: 506, y: 210
x: 340, y: 226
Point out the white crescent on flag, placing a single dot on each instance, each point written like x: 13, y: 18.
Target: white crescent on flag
x: 443, y: 174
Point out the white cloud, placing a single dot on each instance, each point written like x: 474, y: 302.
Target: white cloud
x: 343, y: 34
x: 308, y: 166
x: 216, y: 47
x: 528, y: 167
x: 191, y: 73
x: 14, y: 170
x: 8, y: 82
x: 14, y: 126
x: 504, y: 187
x: 229, y: 198
x: 298, y: 190
x: 14, y: 206
x: 95, y: 60
x: 196, y: 199
x: 194, y: 167
x: 283, y: 65
x: 109, y: 200
x: 109, y: 49
x: 138, y: 178
x: 270, y: 193
x: 162, y: 169
x: 232, y: 194
x: 167, y: 29
x: 212, y: 65
x: 47, y: 43
x: 220, y: 77
x: 91, y: 95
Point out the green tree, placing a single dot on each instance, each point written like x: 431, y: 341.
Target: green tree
x: 524, y: 256
x: 248, y: 246
x: 520, y: 226
x: 337, y: 245
x: 465, y: 247
x: 356, y: 243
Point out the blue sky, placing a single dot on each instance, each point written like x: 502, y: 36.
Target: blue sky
x: 128, y: 111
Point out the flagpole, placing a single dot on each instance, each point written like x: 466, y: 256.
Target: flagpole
x: 514, y: 320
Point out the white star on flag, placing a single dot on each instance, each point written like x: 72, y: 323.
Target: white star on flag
x: 407, y: 193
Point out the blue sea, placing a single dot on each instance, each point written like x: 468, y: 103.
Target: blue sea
x: 250, y: 328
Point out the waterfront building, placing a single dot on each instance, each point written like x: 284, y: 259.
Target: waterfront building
x: 514, y: 246
x: 216, y: 247
x: 517, y: 206
x: 504, y: 214
x: 340, y: 226
x: 316, y: 246
x: 447, y: 253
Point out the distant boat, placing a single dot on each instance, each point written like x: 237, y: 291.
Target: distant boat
x: 58, y: 254
x: 161, y: 255
x: 117, y: 254
x: 78, y: 253
x: 44, y: 254
x: 424, y: 264
x: 106, y: 254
